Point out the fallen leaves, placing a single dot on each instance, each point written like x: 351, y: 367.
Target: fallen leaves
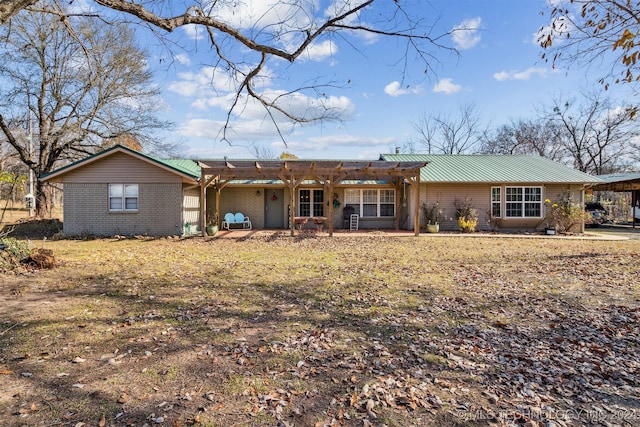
x: 289, y: 332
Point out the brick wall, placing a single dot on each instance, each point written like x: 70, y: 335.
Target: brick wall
x: 86, y: 210
x: 244, y: 200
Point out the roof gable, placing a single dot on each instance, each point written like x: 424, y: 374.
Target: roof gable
x: 480, y: 168
x: 187, y: 169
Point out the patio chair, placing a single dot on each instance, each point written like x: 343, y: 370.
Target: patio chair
x: 347, y: 211
x: 241, y: 222
x: 229, y: 219
x: 240, y: 218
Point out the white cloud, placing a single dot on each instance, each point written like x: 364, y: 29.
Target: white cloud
x: 338, y: 7
x: 213, y: 93
x: 561, y: 24
x: 520, y: 75
x: 193, y: 31
x: 558, y: 3
x: 211, y: 88
x: 368, y: 147
x: 394, y: 89
x: 182, y: 59
x: 79, y: 7
x: 209, y: 81
x: 557, y: 31
x: 320, y: 51
x: 246, y: 130
x: 447, y: 87
x: 467, y: 34
x: 351, y: 140
x: 276, y: 17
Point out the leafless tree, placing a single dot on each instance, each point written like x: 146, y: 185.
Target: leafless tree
x: 263, y: 152
x: 526, y: 136
x: 595, y: 133
x: 246, y: 48
x: 80, y: 88
x: 444, y: 134
x: 582, y: 32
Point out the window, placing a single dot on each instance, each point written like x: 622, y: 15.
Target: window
x: 387, y: 202
x: 523, y: 202
x: 371, y: 202
x: 123, y: 197
x: 496, y: 205
x: 311, y: 203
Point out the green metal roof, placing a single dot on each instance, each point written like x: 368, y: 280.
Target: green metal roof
x: 186, y: 166
x: 619, y: 177
x: 480, y: 168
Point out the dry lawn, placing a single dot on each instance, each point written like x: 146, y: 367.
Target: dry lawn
x: 317, y: 331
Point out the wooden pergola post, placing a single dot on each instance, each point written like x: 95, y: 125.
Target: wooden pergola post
x: 634, y: 205
x: 292, y: 206
x: 416, y: 208
x: 218, y: 185
x: 218, y: 191
x: 415, y: 182
x: 203, y: 202
x: 397, y: 184
x: 330, y: 216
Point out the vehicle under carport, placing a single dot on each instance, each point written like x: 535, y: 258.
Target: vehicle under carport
x: 623, y: 182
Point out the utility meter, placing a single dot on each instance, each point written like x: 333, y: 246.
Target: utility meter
x: 30, y: 201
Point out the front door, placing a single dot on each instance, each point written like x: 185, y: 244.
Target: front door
x: 274, y: 208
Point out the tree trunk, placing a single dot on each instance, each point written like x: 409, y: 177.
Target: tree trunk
x: 42, y: 200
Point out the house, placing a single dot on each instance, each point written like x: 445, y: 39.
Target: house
x: 122, y: 191
x: 510, y: 189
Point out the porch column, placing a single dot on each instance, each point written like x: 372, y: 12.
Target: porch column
x: 397, y: 184
x: 330, y: 217
x: 416, y: 208
x: 203, y: 203
x: 292, y: 206
x: 634, y: 207
x: 218, y: 191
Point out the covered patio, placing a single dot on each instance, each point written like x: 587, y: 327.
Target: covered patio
x: 327, y: 173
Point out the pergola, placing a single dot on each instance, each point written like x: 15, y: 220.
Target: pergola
x: 292, y: 173
x: 622, y: 183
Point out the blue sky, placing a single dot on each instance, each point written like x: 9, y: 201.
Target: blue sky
x: 499, y: 71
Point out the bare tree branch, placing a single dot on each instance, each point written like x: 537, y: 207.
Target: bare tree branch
x: 10, y: 8
x: 605, y: 32
x: 243, y: 52
x: 443, y: 134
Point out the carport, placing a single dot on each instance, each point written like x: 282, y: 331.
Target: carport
x: 629, y: 182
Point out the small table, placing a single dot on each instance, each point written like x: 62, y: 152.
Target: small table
x: 300, y: 221
x: 319, y: 222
